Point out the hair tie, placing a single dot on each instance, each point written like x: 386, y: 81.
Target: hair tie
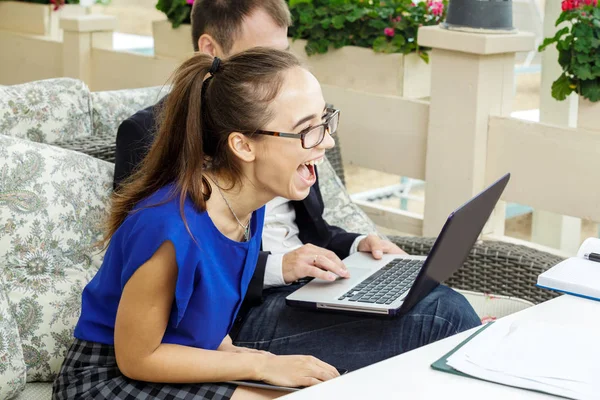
x: 214, y: 68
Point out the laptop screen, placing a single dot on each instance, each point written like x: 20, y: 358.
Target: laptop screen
x: 457, y: 237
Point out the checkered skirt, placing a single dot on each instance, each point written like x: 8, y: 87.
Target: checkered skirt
x: 90, y: 372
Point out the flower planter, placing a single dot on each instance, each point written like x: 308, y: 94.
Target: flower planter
x: 35, y: 19
x: 350, y: 67
x: 588, y: 115
x: 172, y: 43
x: 364, y: 70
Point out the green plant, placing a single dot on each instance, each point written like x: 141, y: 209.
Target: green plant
x: 388, y: 26
x: 177, y: 11
x: 578, y: 46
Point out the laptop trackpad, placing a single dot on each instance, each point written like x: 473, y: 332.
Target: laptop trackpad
x: 356, y: 275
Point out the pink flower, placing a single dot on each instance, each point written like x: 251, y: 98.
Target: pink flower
x: 190, y: 2
x: 389, y: 32
x: 435, y: 7
x: 568, y: 5
x: 397, y: 19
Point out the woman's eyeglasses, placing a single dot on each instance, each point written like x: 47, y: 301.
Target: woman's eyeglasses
x: 313, y: 136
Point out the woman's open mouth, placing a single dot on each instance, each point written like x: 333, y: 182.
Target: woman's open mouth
x: 307, y: 170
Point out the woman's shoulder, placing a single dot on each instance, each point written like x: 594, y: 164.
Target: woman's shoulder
x: 162, y: 211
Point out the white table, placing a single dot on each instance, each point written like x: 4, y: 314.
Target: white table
x: 410, y: 376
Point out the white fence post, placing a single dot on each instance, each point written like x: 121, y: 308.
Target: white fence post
x: 549, y: 229
x: 472, y: 78
x: 81, y: 34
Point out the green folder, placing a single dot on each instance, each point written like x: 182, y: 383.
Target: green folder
x: 442, y: 365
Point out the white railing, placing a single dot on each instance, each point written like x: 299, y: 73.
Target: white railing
x: 554, y: 169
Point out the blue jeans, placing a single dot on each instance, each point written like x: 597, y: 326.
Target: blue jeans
x: 352, y: 341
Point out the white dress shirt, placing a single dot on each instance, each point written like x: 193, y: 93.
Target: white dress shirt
x: 280, y: 236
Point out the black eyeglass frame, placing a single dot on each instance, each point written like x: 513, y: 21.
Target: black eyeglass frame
x: 331, y: 113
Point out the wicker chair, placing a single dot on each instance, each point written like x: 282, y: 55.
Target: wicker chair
x: 98, y: 146
x: 492, y: 266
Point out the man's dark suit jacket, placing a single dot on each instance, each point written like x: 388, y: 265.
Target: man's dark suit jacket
x: 134, y: 138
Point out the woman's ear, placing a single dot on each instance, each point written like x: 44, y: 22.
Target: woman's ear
x: 242, y: 146
x: 208, y: 45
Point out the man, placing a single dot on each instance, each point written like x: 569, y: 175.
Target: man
x: 297, y: 242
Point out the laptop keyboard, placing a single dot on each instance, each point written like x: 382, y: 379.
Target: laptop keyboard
x: 387, y: 284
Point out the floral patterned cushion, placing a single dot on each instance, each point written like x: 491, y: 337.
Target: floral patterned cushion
x: 52, y: 204
x: 339, y: 208
x: 46, y: 111
x: 110, y: 108
x: 12, y: 365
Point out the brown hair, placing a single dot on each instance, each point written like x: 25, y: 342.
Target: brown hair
x: 194, y: 128
x: 222, y: 19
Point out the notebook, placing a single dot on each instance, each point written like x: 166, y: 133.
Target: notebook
x: 579, y: 275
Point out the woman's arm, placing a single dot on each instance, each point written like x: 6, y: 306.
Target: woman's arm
x: 141, y: 322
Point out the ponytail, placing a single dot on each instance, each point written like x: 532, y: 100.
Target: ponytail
x: 174, y: 156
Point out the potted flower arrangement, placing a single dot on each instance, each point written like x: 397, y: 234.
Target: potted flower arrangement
x: 578, y: 45
x: 365, y: 45
x: 385, y: 26
x: 40, y: 17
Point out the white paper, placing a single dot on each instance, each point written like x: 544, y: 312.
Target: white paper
x: 548, y: 357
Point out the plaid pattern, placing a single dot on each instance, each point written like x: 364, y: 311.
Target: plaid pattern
x: 90, y: 372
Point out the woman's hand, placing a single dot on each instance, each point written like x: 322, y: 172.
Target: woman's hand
x: 295, y: 371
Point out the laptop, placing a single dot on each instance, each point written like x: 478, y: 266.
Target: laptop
x: 393, y: 285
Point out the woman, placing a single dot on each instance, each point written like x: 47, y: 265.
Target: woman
x: 184, y: 236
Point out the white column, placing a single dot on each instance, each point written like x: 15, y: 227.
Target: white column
x: 81, y: 35
x: 472, y: 78
x: 549, y: 229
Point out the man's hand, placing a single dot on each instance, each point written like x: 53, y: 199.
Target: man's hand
x: 310, y: 260
x: 378, y: 247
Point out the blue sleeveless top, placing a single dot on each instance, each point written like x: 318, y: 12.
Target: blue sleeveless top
x: 213, y: 273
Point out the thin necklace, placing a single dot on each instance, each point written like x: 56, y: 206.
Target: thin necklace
x: 246, y: 228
